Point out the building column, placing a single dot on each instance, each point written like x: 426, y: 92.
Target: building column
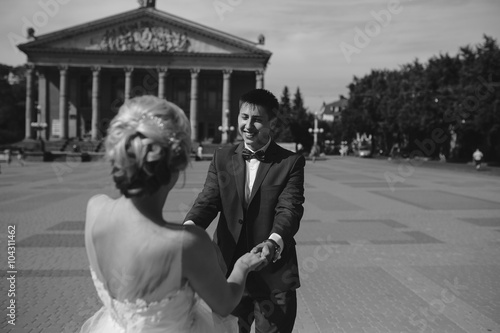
x: 95, y: 102
x: 259, y: 79
x: 128, y: 81
x: 162, y: 73
x: 226, y: 102
x: 63, y: 107
x: 42, y: 104
x: 193, y: 109
x: 29, y: 100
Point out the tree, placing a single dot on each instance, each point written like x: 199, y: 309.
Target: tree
x: 448, y: 105
x: 476, y: 117
x: 284, y: 118
x: 12, y: 105
x: 301, y: 122
x: 298, y: 109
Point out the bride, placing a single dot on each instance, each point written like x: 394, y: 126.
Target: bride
x: 152, y: 275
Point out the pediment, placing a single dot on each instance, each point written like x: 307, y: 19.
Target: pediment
x: 144, y: 30
x: 141, y: 36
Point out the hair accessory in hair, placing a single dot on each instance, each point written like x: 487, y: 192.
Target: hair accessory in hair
x: 157, y: 120
x: 175, y: 144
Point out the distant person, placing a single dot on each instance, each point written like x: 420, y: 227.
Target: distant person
x: 343, y: 150
x: 314, y: 153
x: 477, y: 157
x: 8, y: 154
x: 20, y: 157
x: 42, y: 145
x: 395, y: 151
x: 199, y: 152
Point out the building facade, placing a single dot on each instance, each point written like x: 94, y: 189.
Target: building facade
x: 77, y: 78
x: 333, y: 111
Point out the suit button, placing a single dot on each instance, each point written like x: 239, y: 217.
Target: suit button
x: 240, y: 221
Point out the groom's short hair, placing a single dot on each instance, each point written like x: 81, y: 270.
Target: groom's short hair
x: 263, y: 98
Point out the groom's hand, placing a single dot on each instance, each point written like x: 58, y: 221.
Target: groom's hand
x: 266, y: 249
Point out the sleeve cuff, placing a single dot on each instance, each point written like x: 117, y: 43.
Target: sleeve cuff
x: 277, y: 238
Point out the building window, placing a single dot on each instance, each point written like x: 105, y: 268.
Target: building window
x: 88, y: 126
x: 211, y: 96
x: 181, y: 92
x: 117, y: 92
x: 211, y: 130
x: 201, y: 131
x: 85, y: 91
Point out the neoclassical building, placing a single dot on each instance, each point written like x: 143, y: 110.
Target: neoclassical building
x: 77, y: 78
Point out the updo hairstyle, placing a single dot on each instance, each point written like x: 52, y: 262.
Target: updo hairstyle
x: 147, y: 141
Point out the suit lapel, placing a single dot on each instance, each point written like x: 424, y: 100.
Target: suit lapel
x: 263, y: 170
x: 239, y: 173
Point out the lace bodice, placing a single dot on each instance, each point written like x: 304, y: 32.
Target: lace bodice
x: 174, y: 313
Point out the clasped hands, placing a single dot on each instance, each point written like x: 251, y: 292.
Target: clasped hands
x: 260, y: 256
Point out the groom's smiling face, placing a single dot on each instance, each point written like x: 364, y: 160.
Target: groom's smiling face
x: 254, y: 125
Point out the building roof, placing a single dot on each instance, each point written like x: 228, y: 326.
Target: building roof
x: 141, y: 30
x: 333, y: 107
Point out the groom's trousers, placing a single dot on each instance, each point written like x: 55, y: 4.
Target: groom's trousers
x: 272, y: 312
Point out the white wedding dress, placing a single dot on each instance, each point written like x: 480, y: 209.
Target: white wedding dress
x: 175, y: 307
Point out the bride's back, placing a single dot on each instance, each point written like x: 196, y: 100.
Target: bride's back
x: 132, y: 256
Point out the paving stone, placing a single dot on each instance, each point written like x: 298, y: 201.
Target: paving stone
x: 69, y: 225
x: 54, y: 240
x: 483, y: 222
x: 439, y: 200
x: 329, y: 202
x: 375, y: 184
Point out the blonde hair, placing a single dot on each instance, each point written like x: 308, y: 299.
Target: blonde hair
x: 147, y: 141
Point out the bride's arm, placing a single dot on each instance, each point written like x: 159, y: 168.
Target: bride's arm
x: 200, y: 266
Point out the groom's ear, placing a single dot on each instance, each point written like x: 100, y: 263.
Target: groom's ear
x: 265, y: 133
x: 274, y: 124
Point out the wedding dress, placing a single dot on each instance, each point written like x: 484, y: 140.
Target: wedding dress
x: 176, y: 307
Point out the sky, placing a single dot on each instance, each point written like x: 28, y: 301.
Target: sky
x: 317, y: 45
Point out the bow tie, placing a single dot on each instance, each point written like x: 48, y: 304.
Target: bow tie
x: 248, y: 155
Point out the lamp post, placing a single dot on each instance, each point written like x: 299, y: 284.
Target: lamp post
x: 38, y: 125
x: 225, y: 128
x: 315, y: 130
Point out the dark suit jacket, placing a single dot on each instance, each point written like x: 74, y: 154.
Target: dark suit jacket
x: 275, y: 207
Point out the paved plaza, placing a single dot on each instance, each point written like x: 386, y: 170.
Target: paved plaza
x: 383, y: 246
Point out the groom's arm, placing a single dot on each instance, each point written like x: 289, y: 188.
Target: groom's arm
x: 208, y: 203
x: 288, y: 213
x: 289, y: 209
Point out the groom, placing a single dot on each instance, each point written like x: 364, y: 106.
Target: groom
x: 258, y: 189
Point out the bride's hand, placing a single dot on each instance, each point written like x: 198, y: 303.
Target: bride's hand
x: 252, y: 261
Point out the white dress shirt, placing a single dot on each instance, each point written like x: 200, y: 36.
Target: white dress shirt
x: 251, y: 172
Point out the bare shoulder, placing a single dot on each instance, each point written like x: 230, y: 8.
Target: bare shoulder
x: 95, y: 205
x: 196, y: 240
x: 97, y: 200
